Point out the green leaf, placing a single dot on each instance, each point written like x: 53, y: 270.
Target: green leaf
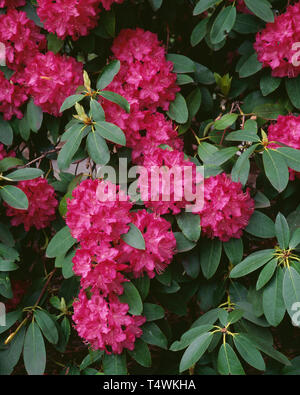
x: 292, y: 86
x: 228, y: 362
x: 295, y: 239
x: 234, y: 250
x: 111, y: 132
x: 132, y: 297
x: 97, y: 148
x: 223, y: 24
x: 97, y: 112
x: 64, y: 336
x: 241, y: 168
x: 5, y: 286
x: 291, y: 156
x: 266, y: 274
x: 108, y: 74
x: 91, y: 358
x: 188, y: 337
x: 291, y: 289
x: 25, y: 174
x: 47, y: 325
x: 261, y: 8
x: 210, y: 256
x: 248, y: 351
x: 261, y: 226
x: 294, y: 369
x: 203, y: 5
x: 55, y: 44
x: 184, y: 79
x: 191, y: 265
x: 182, y: 243
x: 72, y: 127
x: 34, y: 116
x: 190, y: 225
x: 8, y: 163
x: 114, y: 364
x: 261, y: 200
x: 223, y: 317
x: 71, y: 101
x: 181, y: 63
x: 153, y: 312
x: 222, y: 156
x: 143, y: 286
x: 34, y: 351
x: 246, y: 24
x: 195, y: 351
x: 155, y: 4
x: 206, y: 150
x: 117, y: 99
x: 134, y: 238
x: 14, y: 197
x: 10, y: 357
x: 276, y: 169
x: 243, y: 135
x: 267, y: 348
x: 6, y: 132
x: 250, y: 66
x: 141, y: 353
x: 69, y: 149
x: 269, y: 111
x: 235, y: 315
x: 178, y: 110
x: 67, y: 265
x: 273, y: 303
x: 152, y: 334
x: 60, y: 243
x: 269, y: 84
x: 226, y: 121
x: 199, y: 32
x: 7, y: 266
x: 253, y: 262
x: 282, y: 231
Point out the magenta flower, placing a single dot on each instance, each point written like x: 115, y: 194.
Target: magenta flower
x: 12, y: 97
x: 275, y: 45
x: 227, y: 209
x: 160, y: 246
x: 286, y: 131
x: 50, y: 79
x: 105, y: 322
x: 42, y: 205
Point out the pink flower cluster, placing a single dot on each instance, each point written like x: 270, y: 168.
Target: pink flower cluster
x: 12, y: 97
x: 105, y: 322
x: 169, y: 178
x: 160, y: 245
x: 42, y: 205
x: 275, y: 44
x: 103, y: 258
x: 21, y: 37
x: 12, y: 3
x: 147, y: 82
x: 71, y: 18
x: 286, y: 130
x: 227, y: 209
x: 48, y: 78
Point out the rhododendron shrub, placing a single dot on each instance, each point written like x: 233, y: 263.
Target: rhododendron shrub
x: 149, y: 188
